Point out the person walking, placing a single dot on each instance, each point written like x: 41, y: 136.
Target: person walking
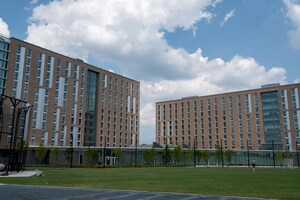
x: 253, y: 163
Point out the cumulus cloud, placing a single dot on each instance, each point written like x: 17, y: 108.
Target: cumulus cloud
x: 213, y: 77
x: 130, y: 34
x: 293, y: 13
x: 4, y: 28
x: 228, y: 16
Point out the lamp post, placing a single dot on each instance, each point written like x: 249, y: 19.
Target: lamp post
x: 2, y: 99
x: 104, y: 152
x: 248, y: 153
x: 15, y: 102
x: 136, y: 149
x: 297, y: 153
x: 222, y: 160
x: 166, y: 151
x: 71, y: 159
x: 273, y: 153
x: 195, y: 152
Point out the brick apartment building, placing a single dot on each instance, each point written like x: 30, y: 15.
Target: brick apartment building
x: 257, y: 119
x: 67, y: 100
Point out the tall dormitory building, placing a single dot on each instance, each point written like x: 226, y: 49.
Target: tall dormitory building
x: 68, y: 100
x: 257, y: 119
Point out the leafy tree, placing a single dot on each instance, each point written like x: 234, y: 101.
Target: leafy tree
x: 177, y: 154
x: 198, y: 155
x: 287, y: 154
x: 146, y: 156
x: 91, y: 155
x: 189, y: 154
x: 219, y: 154
x: 41, y: 152
x: 22, y: 154
x: 24, y: 151
x: 118, y: 153
x: 54, y: 154
x: 167, y: 155
x: 68, y: 154
x: 279, y: 157
x: 149, y: 155
x: 152, y: 155
x: 228, y: 155
x: 205, y: 155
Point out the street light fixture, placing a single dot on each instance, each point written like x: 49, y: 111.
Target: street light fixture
x: 297, y: 153
x: 15, y: 102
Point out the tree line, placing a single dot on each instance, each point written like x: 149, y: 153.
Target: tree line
x: 174, y: 156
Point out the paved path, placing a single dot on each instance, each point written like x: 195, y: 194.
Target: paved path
x: 18, y: 192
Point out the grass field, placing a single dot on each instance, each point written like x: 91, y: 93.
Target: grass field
x: 271, y: 183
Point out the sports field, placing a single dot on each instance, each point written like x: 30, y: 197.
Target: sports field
x: 278, y: 183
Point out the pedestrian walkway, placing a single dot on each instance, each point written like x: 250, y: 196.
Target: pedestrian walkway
x: 18, y: 192
x: 19, y: 174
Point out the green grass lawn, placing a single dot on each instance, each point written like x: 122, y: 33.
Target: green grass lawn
x: 271, y: 183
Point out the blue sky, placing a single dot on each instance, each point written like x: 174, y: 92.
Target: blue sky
x: 174, y: 48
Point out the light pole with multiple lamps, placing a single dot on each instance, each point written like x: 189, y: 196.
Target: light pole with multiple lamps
x: 14, y: 102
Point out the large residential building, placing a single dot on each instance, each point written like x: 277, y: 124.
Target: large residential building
x: 258, y: 119
x: 51, y: 99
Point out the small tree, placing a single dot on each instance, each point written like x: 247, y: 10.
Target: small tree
x: 177, y: 154
x: 167, y: 155
x: 278, y: 157
x: 228, y: 155
x: 146, y: 156
x: 219, y: 154
x: 198, y: 156
x: 149, y: 155
x: 68, y: 154
x: 189, y: 154
x: 118, y: 153
x: 54, y: 154
x: 287, y: 154
x: 205, y: 155
x: 41, y: 152
x: 152, y: 155
x: 24, y: 151
x: 91, y: 155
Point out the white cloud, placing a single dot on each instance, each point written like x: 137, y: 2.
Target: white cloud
x: 297, y: 80
x: 125, y: 33
x: 34, y: 1
x: 215, y: 2
x: 293, y: 12
x: 4, y: 28
x: 228, y: 16
x: 212, y: 77
x: 130, y: 34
